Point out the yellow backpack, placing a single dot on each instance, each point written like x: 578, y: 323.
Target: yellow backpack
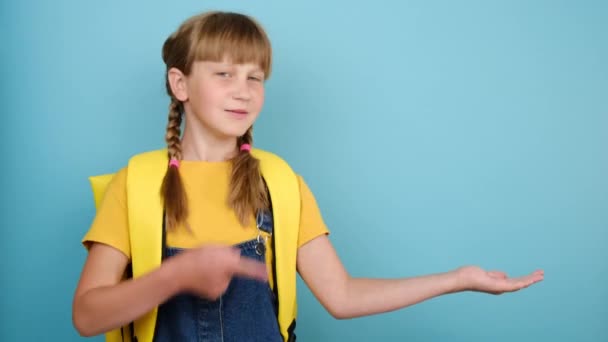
x: 145, y: 210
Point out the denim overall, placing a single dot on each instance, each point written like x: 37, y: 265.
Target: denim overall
x: 245, y: 312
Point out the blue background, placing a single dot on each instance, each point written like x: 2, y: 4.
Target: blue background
x: 433, y: 134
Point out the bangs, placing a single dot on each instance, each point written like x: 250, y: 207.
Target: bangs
x: 234, y: 37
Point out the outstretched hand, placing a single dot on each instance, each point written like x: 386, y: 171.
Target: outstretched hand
x: 495, y: 282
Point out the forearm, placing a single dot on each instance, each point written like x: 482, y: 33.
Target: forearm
x: 105, y: 308
x: 363, y: 296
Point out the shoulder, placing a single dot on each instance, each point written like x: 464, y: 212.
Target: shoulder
x: 150, y: 163
x: 138, y: 161
x: 159, y: 155
x: 271, y: 162
x: 115, y: 183
x: 266, y: 155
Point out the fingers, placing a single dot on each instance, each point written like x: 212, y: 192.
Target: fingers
x: 497, y: 282
x: 536, y: 276
x: 250, y: 268
x: 502, y: 283
x: 525, y: 281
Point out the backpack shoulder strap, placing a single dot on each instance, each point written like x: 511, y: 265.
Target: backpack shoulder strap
x: 145, y: 209
x: 99, y: 184
x: 284, y: 190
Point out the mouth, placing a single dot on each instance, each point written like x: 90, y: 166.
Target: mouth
x: 237, y: 111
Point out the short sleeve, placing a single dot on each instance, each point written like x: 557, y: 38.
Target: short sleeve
x: 311, y: 221
x: 110, y: 225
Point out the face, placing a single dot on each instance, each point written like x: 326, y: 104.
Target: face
x: 223, y: 99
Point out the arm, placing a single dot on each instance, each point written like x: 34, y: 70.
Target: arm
x: 103, y: 302
x: 346, y: 297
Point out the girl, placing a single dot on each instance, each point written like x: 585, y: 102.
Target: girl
x: 219, y: 279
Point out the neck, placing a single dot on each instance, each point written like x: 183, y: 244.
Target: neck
x: 204, y: 146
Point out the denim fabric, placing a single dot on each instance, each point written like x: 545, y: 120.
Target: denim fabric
x: 245, y: 312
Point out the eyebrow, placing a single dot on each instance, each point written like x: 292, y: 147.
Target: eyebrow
x: 256, y: 69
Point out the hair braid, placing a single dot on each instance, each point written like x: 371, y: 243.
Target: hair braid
x: 247, y: 189
x: 174, y: 194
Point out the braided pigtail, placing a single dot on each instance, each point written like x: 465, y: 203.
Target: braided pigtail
x: 247, y: 192
x: 174, y: 194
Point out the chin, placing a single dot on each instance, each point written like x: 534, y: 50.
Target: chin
x: 233, y: 129
x: 233, y: 134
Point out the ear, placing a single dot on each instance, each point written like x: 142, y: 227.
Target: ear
x: 177, y: 81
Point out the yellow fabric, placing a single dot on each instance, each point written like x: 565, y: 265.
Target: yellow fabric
x: 283, y: 188
x: 145, y: 212
x: 210, y: 221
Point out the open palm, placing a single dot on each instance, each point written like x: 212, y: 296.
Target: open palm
x: 496, y: 282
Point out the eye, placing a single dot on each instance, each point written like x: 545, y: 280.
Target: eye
x: 223, y: 74
x: 255, y: 78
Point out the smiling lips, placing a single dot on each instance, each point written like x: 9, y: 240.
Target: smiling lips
x: 238, y: 114
x: 237, y: 111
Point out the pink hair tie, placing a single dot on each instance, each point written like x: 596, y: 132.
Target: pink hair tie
x: 246, y: 147
x: 174, y: 162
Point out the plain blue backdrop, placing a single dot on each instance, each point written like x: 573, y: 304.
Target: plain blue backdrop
x: 433, y: 134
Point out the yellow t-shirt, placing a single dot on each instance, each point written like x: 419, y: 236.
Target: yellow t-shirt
x: 210, y: 218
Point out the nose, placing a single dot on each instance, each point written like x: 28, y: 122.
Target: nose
x: 241, y: 90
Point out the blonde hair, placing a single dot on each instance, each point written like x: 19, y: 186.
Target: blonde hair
x: 212, y: 36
